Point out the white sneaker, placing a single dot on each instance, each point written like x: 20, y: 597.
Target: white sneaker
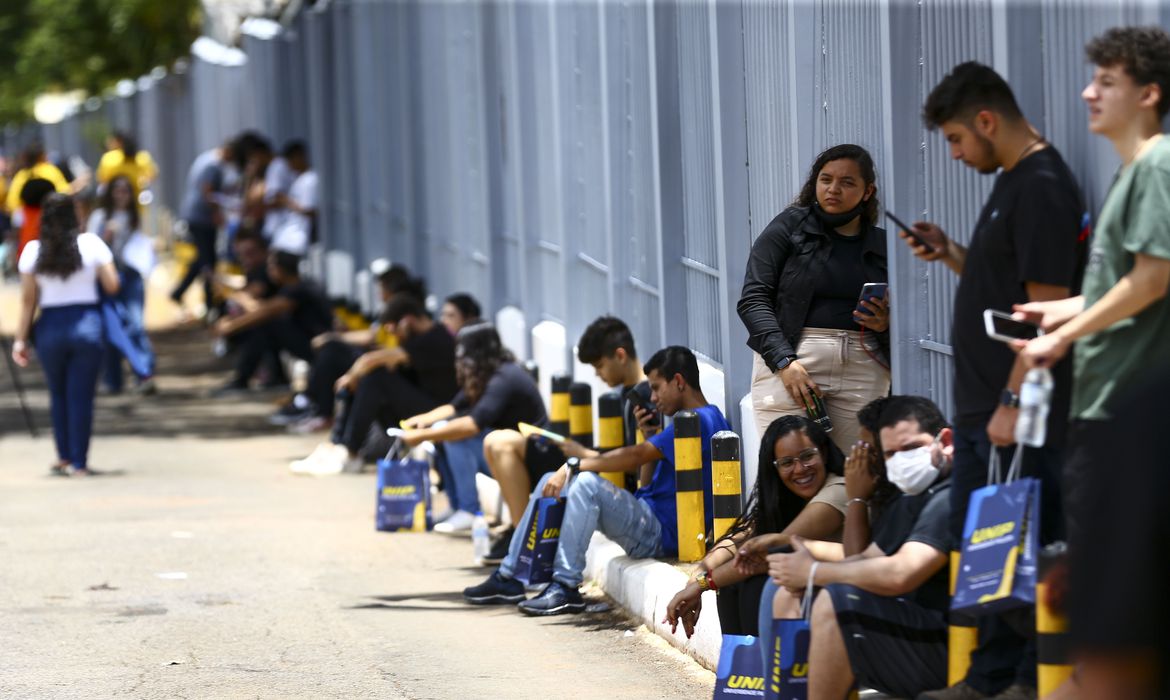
x: 443, y: 515
x: 330, y: 462
x: 305, y: 466
x: 460, y: 521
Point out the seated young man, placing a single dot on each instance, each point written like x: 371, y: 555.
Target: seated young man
x: 645, y: 523
x: 335, y: 352
x: 517, y: 462
x: 388, y: 386
x: 880, y: 619
x: 287, y: 321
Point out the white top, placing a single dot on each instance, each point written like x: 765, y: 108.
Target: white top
x: 78, y: 288
x: 278, y: 179
x: 293, y: 235
x: 133, y: 248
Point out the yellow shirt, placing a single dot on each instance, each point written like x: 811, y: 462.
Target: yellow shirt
x: 140, y: 171
x: 44, y: 171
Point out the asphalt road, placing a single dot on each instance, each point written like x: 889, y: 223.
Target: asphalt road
x: 198, y: 567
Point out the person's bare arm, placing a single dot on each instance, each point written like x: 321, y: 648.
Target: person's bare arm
x: 29, y: 298
x: 897, y: 574
x: 265, y: 311
x: 816, y: 521
x: 425, y: 420
x: 108, y: 277
x: 459, y: 428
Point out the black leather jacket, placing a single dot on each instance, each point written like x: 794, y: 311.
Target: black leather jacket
x: 785, y: 261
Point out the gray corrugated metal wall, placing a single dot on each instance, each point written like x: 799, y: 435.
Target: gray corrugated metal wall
x: 573, y: 158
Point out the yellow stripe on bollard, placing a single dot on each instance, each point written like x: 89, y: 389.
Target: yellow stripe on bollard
x: 558, y: 414
x: 961, y: 639
x: 1052, y: 654
x: 726, y: 486
x: 611, y: 433
x: 688, y: 484
x: 581, y: 413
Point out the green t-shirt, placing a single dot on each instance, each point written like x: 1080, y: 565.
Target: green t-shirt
x: 1134, y: 219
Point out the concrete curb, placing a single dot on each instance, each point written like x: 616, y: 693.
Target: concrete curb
x: 644, y: 587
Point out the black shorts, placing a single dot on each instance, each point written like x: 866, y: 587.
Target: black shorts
x: 894, y: 645
x: 542, y: 456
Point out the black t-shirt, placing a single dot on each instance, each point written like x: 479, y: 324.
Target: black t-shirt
x: 432, y: 363
x: 836, y: 292
x: 924, y: 518
x: 510, y: 397
x: 259, y: 278
x: 311, y: 311
x: 1034, y: 228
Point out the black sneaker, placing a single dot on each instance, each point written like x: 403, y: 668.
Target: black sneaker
x: 555, y: 599
x: 500, y: 547
x: 290, y: 413
x: 496, y: 590
x: 230, y: 389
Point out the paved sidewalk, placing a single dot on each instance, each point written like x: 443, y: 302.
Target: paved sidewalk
x: 202, y: 568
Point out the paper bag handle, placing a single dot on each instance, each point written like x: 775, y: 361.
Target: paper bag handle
x: 1014, y: 469
x: 806, y: 602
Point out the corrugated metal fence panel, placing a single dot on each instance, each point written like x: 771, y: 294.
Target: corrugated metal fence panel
x: 323, y: 134
x: 345, y: 196
x: 584, y: 160
x: 371, y: 157
x: 634, y: 223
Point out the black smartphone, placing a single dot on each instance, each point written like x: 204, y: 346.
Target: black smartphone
x: 782, y: 549
x: 871, y: 291
x: 1000, y: 325
x: 910, y: 232
x: 637, y: 399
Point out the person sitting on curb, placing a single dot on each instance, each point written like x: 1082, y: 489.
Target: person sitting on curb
x: 459, y: 309
x: 803, y: 493
x: 387, y: 385
x: 644, y: 524
x: 287, y: 321
x: 890, y: 601
x: 495, y: 393
x: 517, y: 462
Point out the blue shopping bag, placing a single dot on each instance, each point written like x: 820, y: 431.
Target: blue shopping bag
x: 543, y: 532
x: 404, y: 492
x: 740, y: 672
x: 1001, y: 539
x: 787, y: 677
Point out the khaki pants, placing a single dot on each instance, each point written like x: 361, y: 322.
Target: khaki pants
x: 847, y: 376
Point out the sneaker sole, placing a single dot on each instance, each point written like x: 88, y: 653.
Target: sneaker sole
x: 560, y: 609
x: 498, y: 599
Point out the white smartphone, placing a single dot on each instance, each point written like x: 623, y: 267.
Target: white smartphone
x: 1001, y: 326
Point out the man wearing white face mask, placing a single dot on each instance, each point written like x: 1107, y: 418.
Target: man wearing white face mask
x: 881, y: 618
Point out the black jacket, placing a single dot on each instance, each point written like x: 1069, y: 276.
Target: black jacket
x: 782, y: 270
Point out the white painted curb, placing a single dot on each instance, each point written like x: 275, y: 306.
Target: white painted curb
x: 644, y: 587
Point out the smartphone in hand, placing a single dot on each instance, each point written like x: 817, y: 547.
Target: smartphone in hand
x: 871, y: 291
x: 910, y: 232
x: 637, y: 399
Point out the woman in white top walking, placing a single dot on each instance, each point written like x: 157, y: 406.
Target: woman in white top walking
x: 59, y: 273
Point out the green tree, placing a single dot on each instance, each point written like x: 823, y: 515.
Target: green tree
x: 50, y: 45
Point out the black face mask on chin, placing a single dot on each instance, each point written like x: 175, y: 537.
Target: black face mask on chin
x: 835, y: 221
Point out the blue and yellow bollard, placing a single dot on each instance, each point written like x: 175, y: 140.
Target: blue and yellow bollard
x: 558, y: 413
x: 726, y: 485
x: 962, y: 636
x: 688, y: 484
x: 1053, y: 667
x: 611, y: 433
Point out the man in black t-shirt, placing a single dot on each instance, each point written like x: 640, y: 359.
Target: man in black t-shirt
x: 880, y: 620
x: 387, y: 385
x: 517, y: 463
x: 287, y: 321
x: 1028, y: 245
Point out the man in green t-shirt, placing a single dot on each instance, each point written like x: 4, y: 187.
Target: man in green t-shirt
x: 1121, y: 322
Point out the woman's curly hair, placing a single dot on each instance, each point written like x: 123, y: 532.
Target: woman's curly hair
x: 59, y: 255
x: 478, y: 354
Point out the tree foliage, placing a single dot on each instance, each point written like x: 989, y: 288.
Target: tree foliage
x: 50, y: 45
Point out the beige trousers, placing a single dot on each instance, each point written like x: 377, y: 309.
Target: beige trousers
x: 847, y: 376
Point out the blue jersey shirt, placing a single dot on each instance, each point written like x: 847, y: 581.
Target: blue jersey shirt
x: 660, y: 493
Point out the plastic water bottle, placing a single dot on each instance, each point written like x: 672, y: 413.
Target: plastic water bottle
x: 1035, y: 401
x: 480, y: 542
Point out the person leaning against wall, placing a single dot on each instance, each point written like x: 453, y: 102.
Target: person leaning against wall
x: 800, y: 299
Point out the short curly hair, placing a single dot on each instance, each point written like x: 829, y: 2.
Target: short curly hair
x: 1142, y: 52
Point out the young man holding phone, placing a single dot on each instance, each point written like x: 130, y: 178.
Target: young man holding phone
x: 1028, y: 245
x: 1121, y: 329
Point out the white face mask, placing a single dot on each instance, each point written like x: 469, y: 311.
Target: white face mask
x: 912, y: 471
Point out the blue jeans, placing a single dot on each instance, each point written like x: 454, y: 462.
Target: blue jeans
x: 457, y: 462
x: 69, y: 342
x: 592, y: 504
x: 132, y: 296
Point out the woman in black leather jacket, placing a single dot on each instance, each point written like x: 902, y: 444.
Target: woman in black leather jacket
x: 800, y: 296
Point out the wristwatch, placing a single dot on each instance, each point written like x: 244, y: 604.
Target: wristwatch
x: 1009, y: 398
x: 574, y: 465
x: 782, y: 364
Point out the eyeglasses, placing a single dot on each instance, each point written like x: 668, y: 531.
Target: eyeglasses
x: 808, y: 458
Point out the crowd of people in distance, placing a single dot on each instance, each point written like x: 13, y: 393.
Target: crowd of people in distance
x: 861, y: 497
